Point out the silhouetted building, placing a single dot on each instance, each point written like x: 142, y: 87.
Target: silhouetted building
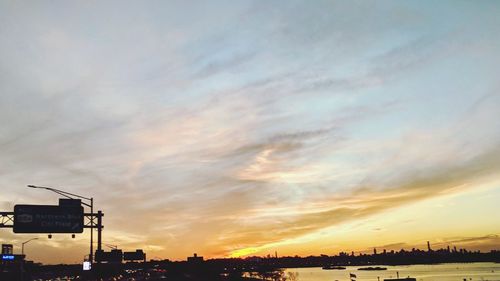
x: 195, y: 259
x: 115, y: 256
x: 7, y: 249
x: 138, y: 255
x: 429, y: 246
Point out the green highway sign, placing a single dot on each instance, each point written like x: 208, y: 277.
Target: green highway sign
x: 48, y: 219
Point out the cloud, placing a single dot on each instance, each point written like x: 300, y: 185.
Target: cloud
x: 213, y: 65
x: 483, y: 243
x: 366, y: 201
x: 491, y: 238
x: 239, y: 125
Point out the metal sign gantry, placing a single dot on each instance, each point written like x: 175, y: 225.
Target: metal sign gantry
x: 48, y: 219
x: 91, y: 220
x: 6, y: 219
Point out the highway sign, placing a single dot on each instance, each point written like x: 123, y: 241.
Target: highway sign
x: 48, y: 219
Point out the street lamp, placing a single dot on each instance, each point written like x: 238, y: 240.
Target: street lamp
x: 91, y: 206
x: 26, y: 242
x: 22, y: 253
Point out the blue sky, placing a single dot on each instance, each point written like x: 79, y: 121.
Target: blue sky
x: 242, y: 127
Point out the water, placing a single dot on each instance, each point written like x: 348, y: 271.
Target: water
x: 438, y: 272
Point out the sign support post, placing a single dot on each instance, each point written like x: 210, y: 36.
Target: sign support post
x: 99, y: 232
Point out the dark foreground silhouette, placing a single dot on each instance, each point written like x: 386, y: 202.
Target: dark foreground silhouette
x: 251, y: 268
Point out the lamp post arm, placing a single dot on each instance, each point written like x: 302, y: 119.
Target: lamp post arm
x: 60, y: 192
x: 25, y: 242
x: 71, y: 194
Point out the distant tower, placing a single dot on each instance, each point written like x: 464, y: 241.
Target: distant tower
x: 276, y: 254
x: 374, y: 251
x: 428, y: 246
x: 448, y: 248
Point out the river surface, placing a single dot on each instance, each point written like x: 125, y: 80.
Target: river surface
x: 438, y: 272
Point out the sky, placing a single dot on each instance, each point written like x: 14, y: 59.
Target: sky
x: 236, y: 128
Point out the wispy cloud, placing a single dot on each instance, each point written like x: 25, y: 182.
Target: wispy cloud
x: 233, y: 126
x: 364, y: 201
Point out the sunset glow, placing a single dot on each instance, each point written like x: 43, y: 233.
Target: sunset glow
x: 241, y: 128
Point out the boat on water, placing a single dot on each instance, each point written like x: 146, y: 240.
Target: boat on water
x: 333, y: 267
x: 373, y: 268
